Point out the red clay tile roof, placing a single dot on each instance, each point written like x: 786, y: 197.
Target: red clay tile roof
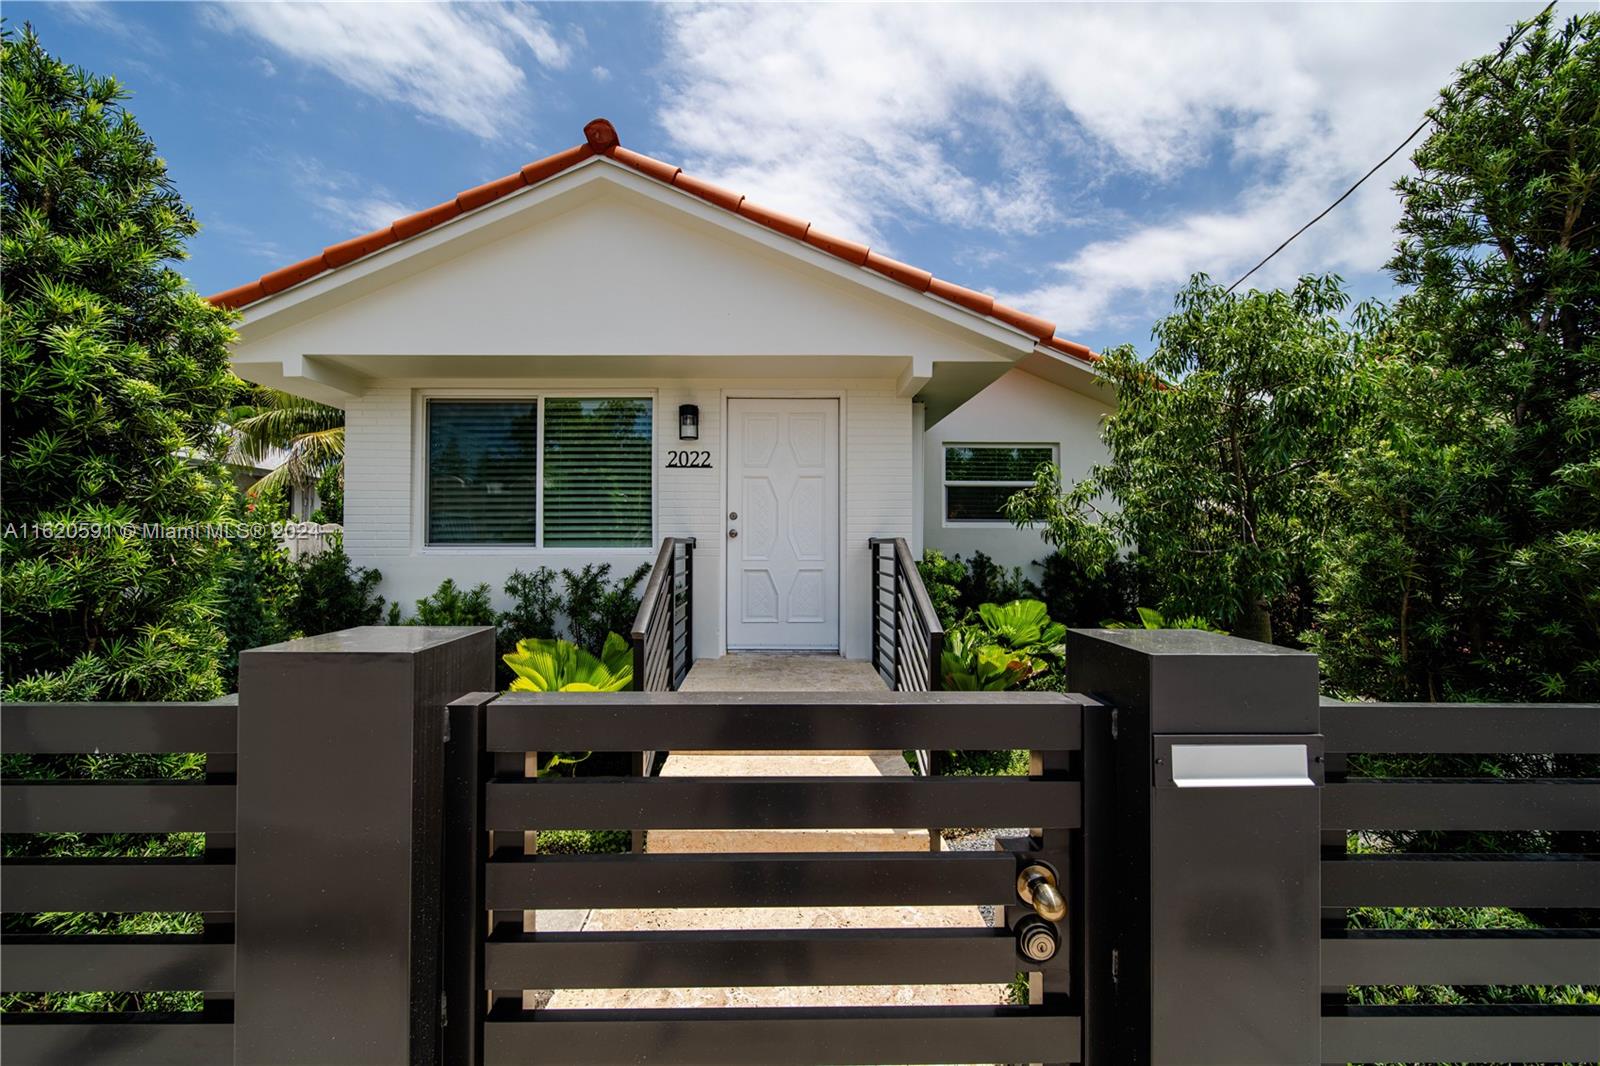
x: 601, y: 139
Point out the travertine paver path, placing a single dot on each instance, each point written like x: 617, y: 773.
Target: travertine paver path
x: 778, y: 673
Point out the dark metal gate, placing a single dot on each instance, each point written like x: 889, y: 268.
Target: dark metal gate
x: 492, y: 955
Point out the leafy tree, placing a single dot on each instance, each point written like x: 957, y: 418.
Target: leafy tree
x: 115, y: 379
x: 1212, y: 480
x: 1464, y: 556
x: 310, y: 433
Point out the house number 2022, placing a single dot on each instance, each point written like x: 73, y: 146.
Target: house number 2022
x: 688, y: 460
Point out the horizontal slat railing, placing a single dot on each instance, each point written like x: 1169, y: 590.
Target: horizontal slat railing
x: 662, y: 634
x: 514, y: 882
x: 201, y: 1039
x: 762, y: 958
x: 33, y: 962
x: 1534, y: 882
x: 1461, y: 728
x: 1461, y: 880
x: 117, y: 807
x: 777, y: 802
x: 786, y: 879
x: 908, y: 637
x: 154, y: 963
x: 788, y: 721
x: 1448, y: 957
x: 780, y: 1036
x: 119, y: 885
x: 133, y: 728
x: 1461, y: 1034
x: 1426, y: 803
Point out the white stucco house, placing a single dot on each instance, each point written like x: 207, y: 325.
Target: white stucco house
x: 574, y: 361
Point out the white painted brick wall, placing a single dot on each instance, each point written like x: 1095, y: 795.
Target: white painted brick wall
x: 382, y: 514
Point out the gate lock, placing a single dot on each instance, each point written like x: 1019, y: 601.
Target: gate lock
x: 1037, y: 938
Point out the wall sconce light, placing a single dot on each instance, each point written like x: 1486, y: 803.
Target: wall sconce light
x: 688, y: 422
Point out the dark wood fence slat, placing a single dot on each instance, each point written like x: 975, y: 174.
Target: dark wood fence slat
x: 116, y: 807
x: 781, y: 1036
x: 116, y: 1040
x: 1461, y: 881
x: 1500, y: 957
x: 1396, y: 1034
x: 824, y: 879
x: 760, y: 958
x: 1489, y: 804
x: 46, y: 962
x: 781, y: 803
x: 122, y: 885
x: 66, y: 728
x: 801, y: 721
x: 1462, y: 728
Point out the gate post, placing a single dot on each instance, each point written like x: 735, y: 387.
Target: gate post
x: 1218, y: 768
x: 340, y: 792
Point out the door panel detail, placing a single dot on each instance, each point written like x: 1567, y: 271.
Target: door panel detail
x: 783, y: 564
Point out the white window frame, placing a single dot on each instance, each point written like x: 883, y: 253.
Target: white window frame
x: 944, y: 475
x: 424, y: 398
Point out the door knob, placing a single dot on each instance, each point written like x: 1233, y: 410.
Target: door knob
x: 733, y: 516
x: 1036, y: 885
x: 733, y: 533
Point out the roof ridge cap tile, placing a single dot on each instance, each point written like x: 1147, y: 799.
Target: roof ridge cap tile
x: 600, y: 138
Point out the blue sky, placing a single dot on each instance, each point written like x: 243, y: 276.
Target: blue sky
x: 1081, y: 161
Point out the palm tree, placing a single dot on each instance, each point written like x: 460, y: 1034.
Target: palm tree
x: 311, y: 433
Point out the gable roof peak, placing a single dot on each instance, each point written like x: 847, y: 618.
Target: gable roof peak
x: 600, y: 138
x: 601, y: 134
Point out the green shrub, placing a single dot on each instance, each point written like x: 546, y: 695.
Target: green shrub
x: 1078, y: 598
x: 335, y: 594
x: 330, y: 495
x: 450, y: 605
x: 989, y: 582
x: 984, y: 763
x: 534, y: 606
x: 595, y: 607
x: 942, y: 578
x: 584, y: 841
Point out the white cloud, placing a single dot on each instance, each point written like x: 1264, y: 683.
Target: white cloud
x: 264, y: 65
x: 599, y: 73
x: 1031, y: 119
x: 345, y: 199
x: 460, y: 64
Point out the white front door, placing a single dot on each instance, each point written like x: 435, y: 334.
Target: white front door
x: 783, y: 524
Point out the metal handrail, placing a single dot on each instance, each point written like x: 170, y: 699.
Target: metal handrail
x: 919, y: 608
x: 647, y: 635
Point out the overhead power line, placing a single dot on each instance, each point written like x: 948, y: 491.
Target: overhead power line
x: 1359, y: 181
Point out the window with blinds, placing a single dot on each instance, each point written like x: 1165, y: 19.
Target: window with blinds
x: 597, y: 467
x: 980, y: 478
x: 483, y: 476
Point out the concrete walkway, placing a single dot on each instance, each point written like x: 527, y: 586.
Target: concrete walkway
x: 764, y: 672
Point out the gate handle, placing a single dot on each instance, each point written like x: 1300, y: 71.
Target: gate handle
x: 1036, y: 885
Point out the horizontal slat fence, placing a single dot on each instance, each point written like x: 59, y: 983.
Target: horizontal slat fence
x: 1538, y: 882
x: 513, y: 882
x: 34, y: 962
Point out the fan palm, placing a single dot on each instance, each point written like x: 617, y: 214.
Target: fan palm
x: 311, y: 433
